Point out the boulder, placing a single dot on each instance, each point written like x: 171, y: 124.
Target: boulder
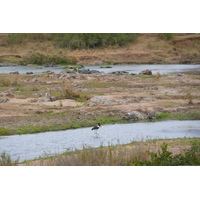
x: 50, y: 65
x: 95, y: 71
x: 84, y: 71
x: 146, y: 72
x: 135, y: 115
x: 120, y: 73
x: 101, y: 100
x: 29, y: 72
x: 4, y: 100
x: 16, y: 72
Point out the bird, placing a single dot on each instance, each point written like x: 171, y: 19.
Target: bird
x: 95, y: 128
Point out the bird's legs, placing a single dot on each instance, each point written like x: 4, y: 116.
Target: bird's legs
x: 96, y: 133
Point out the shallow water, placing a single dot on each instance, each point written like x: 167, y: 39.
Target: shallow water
x: 30, y: 146
x: 162, y: 69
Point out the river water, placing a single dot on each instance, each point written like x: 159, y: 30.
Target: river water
x: 30, y: 146
x: 162, y: 69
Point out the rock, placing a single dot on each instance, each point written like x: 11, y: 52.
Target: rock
x: 179, y: 74
x: 120, y: 73
x: 7, y: 94
x: 29, y: 72
x: 84, y: 71
x: 4, y: 100
x: 34, y: 80
x: 43, y: 100
x: 146, y: 72
x: 95, y: 71
x: 16, y: 72
x: 100, y: 100
x: 50, y: 65
x: 46, y: 95
x: 135, y: 115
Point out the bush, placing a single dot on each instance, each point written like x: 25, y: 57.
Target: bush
x: 5, y: 160
x: 74, y: 40
x: 165, y: 158
x: 166, y: 36
x: 41, y: 59
x: 93, y: 40
x: 22, y: 38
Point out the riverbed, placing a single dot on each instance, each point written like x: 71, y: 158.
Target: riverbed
x: 31, y: 146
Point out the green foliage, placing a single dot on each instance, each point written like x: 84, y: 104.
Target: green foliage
x: 5, y: 160
x: 93, y: 40
x: 106, y: 67
x: 165, y: 157
x: 74, y: 40
x: 41, y: 59
x: 3, y: 131
x: 162, y: 116
x: 22, y: 38
x: 166, y: 36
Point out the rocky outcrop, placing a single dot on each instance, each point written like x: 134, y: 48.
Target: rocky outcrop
x: 134, y: 115
x: 146, y: 72
x: 138, y: 115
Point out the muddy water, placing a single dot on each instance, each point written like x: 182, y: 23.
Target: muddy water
x: 30, y: 146
x: 162, y: 69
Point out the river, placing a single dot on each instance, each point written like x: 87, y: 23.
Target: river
x: 30, y: 146
x: 136, y: 69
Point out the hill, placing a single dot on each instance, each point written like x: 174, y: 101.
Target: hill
x: 140, y: 49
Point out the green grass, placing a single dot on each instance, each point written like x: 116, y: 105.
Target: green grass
x: 106, y: 67
x: 72, y: 124
x: 42, y: 59
x: 4, y: 131
x: 106, y: 84
x: 189, y: 115
x: 12, y: 60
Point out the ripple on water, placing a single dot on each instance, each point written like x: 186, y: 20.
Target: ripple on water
x: 32, y: 146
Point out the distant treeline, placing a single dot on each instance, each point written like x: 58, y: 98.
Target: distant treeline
x: 74, y: 40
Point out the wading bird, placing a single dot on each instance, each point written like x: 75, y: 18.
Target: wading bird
x: 95, y: 128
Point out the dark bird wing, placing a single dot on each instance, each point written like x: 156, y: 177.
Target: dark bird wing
x: 95, y: 127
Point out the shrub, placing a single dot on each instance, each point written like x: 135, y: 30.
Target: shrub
x: 165, y: 158
x: 41, y: 59
x: 166, y: 36
x: 93, y: 40
x: 5, y: 160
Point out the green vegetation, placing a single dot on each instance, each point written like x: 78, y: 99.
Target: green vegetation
x: 5, y: 160
x: 41, y: 59
x: 72, y: 124
x: 166, y: 36
x: 74, y: 40
x: 165, y: 157
x: 106, y: 67
x: 4, y: 131
x: 93, y: 40
x: 189, y: 115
